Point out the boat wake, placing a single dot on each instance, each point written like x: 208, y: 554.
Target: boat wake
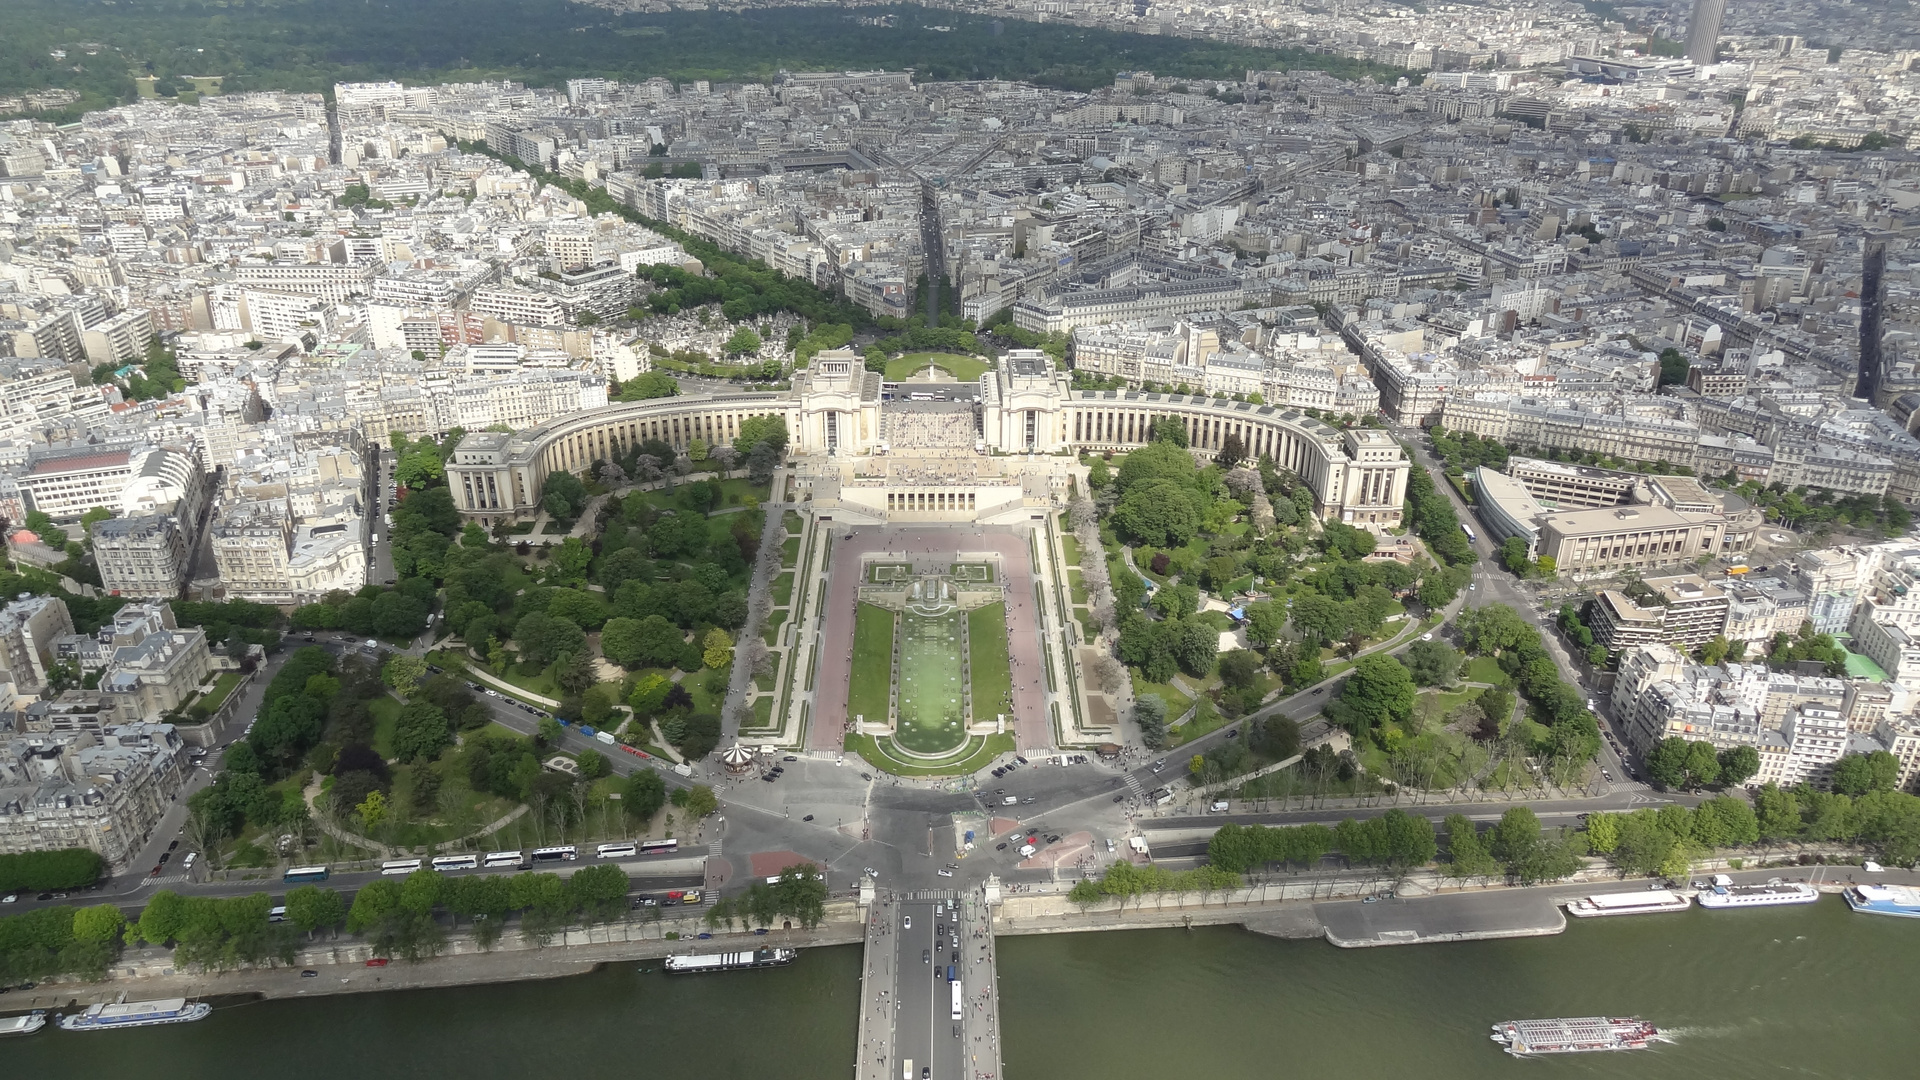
x: 1675, y: 1034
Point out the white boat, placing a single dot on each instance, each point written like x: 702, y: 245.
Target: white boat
x: 1628, y: 903
x: 1723, y: 893
x: 132, y: 1014
x: 22, y: 1025
x: 1902, y: 901
x: 730, y: 961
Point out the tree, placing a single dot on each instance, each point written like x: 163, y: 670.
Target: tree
x: 744, y: 340
x: 644, y: 794
x: 1159, y: 512
x: 1738, y: 764
x: 371, y: 811
x: 1667, y: 763
x: 404, y: 673
x: 593, y: 764
x: 1379, y: 691
x: 99, y: 924
x: 1432, y: 663
x: 700, y: 802
x: 1859, y: 774
x: 312, y: 908
x: 1513, y: 555
x: 718, y: 650
x: 422, y: 732
x: 1239, y: 668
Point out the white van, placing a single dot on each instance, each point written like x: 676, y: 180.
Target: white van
x: 1010, y: 800
x: 187, y: 863
x: 1219, y: 807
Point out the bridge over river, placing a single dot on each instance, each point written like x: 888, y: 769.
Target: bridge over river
x: 920, y: 946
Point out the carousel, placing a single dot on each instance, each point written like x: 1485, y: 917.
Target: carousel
x: 737, y: 758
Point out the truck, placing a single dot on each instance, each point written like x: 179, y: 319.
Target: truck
x: 606, y: 737
x: 1026, y: 850
x: 1010, y: 800
x: 1160, y: 796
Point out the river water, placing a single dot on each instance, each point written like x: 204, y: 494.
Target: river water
x: 1805, y: 992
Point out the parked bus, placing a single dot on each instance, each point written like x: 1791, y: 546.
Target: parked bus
x: 556, y: 854
x: 502, y: 858
x: 956, y: 998
x: 658, y: 847
x: 400, y: 866
x: 455, y: 862
x: 617, y: 851
x: 1471, y: 539
x: 305, y: 873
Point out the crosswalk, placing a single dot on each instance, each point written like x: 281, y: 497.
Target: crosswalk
x: 1133, y: 787
x: 933, y: 894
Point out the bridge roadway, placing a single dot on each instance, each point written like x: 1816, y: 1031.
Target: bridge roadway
x: 917, y: 942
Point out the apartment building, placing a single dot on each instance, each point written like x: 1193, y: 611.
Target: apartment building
x: 155, y: 664
x: 146, y: 557
x: 105, y: 792
x: 28, y: 629
x: 67, y: 481
x: 333, y: 282
x: 1688, y: 613
x: 252, y: 548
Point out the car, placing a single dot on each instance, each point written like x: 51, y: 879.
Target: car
x: 1158, y: 766
x: 473, y: 686
x: 955, y: 958
x: 10, y: 898
x: 1369, y: 899
x: 809, y: 817
x: 1472, y: 586
x: 164, y: 856
x: 926, y: 956
x: 1871, y: 867
x: 943, y: 872
x: 1234, y: 734
x: 1019, y: 759
x: 378, y: 961
x: 769, y: 779
x: 790, y: 757
x: 173, y: 845
x: 155, y: 872
x: 491, y: 692
x: 762, y: 931
x: 866, y: 776
x: 926, y: 1072
x: 1003, y: 847
x: 1428, y: 636
x: 704, y: 936
x: 309, y: 637
x: 44, y: 896
x: 435, y: 669
x: 1319, y: 689
x: 1054, y: 838
x: 1119, y: 798
x: 1608, y: 775
x: 1026, y: 801
x: 906, y: 922
x: 309, y: 973
x: 870, y: 872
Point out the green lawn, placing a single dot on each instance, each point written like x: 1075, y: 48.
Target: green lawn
x: 992, y: 674
x: 1070, y: 550
x: 963, y: 368
x: 222, y: 689
x: 977, y: 754
x: 783, y: 590
x: 792, y: 522
x: 1485, y: 669
x: 871, y: 683
x: 931, y: 717
x: 386, y: 720
x: 775, y: 619
x: 790, y: 552
x: 764, y: 683
x: 1075, y: 587
x: 763, y: 711
x: 1177, y: 702
x: 1205, y: 721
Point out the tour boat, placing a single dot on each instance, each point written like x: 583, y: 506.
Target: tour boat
x: 1628, y: 903
x: 22, y: 1025
x: 1900, y: 900
x: 1574, y: 1035
x: 1725, y: 894
x: 132, y: 1014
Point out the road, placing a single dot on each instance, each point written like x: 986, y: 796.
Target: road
x: 925, y: 1031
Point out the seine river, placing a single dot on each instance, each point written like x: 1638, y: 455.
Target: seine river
x: 1802, y: 992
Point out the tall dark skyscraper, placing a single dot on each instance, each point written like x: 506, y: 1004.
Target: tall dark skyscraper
x: 1703, y: 30
x: 1873, y: 297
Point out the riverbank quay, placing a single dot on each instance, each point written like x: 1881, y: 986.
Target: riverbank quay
x: 1425, y: 908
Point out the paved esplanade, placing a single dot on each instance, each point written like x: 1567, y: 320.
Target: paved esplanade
x: 919, y: 946
x: 932, y: 549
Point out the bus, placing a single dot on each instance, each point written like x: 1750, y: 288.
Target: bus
x: 501, y: 858
x: 1465, y: 528
x: 906, y: 1069
x: 556, y: 854
x: 400, y: 866
x: 658, y: 847
x: 455, y: 862
x: 956, y: 998
x: 617, y: 851
x: 305, y: 873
